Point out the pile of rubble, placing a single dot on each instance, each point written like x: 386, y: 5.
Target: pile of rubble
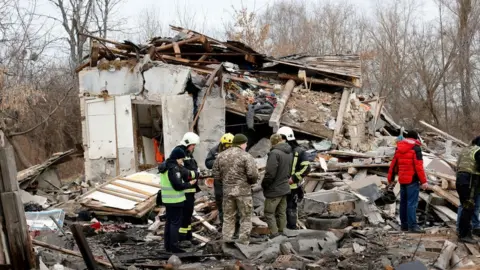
x: 350, y: 138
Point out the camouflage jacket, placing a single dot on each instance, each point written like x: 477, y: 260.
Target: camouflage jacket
x: 237, y: 170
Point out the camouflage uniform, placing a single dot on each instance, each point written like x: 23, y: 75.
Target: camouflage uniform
x: 238, y: 171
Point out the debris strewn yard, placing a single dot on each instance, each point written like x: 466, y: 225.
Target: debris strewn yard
x: 132, y: 93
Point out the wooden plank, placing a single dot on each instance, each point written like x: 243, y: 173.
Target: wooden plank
x: 274, y: 121
x: 310, y: 186
x: 443, y: 133
x: 67, y: 251
x: 77, y: 231
x: 120, y: 195
x: 171, y: 45
x: 442, y: 216
x: 340, y: 115
x: 446, y: 184
x: 473, y: 249
x: 447, y: 196
x: 131, y: 188
x: 8, y: 168
x: 441, y: 175
x: 20, y: 248
x: 205, y: 223
x: 128, y: 193
x: 140, y: 182
x: 316, y: 81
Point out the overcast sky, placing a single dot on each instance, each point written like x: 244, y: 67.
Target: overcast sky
x: 210, y: 16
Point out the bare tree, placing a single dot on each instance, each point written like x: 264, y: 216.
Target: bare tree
x: 149, y: 24
x: 247, y: 28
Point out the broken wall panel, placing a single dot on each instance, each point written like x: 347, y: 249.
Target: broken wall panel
x: 211, y: 126
x: 126, y: 80
x: 177, y: 115
x: 124, y: 131
x: 165, y: 80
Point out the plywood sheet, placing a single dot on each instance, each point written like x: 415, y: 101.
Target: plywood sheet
x: 107, y: 200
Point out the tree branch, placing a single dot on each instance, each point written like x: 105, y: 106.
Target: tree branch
x: 44, y: 120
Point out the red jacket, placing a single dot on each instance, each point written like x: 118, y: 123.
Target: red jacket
x: 407, y: 163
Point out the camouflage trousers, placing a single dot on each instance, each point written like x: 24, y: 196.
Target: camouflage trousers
x: 244, y: 206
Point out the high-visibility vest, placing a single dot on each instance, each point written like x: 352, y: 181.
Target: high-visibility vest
x: 466, y: 162
x: 298, y: 174
x: 169, y: 194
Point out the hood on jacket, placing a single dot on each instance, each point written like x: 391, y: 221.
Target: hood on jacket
x: 284, y: 147
x: 167, y: 164
x: 406, y: 145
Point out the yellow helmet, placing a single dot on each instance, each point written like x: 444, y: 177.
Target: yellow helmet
x: 227, y: 138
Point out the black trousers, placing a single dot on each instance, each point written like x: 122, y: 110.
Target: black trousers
x: 186, y: 228
x: 219, y: 203
x: 292, y: 209
x: 466, y: 185
x: 172, y: 228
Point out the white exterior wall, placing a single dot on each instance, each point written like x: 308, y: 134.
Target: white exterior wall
x: 107, y: 125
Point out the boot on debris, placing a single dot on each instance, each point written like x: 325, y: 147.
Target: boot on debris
x: 468, y: 239
x: 416, y: 230
x: 185, y: 244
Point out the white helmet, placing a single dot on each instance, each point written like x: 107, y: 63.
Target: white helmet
x: 287, y: 132
x: 190, y: 138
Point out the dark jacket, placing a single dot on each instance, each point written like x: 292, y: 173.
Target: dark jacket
x: 302, y: 167
x: 190, y: 168
x: 175, y: 176
x: 278, y: 171
x: 408, y: 163
x: 212, y: 155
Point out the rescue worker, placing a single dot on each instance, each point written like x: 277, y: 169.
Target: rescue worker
x: 225, y: 143
x: 237, y: 170
x: 189, y: 172
x: 299, y: 169
x: 173, y: 197
x: 408, y: 164
x: 275, y: 184
x: 468, y: 176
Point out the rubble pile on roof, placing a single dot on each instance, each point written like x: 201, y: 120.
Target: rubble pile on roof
x: 253, y: 83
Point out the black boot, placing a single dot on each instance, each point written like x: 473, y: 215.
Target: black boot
x: 291, y: 219
x: 467, y: 239
x: 416, y: 230
x: 476, y: 232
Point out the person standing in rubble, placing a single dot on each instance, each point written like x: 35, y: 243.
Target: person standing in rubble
x: 189, y: 172
x: 275, y: 184
x: 225, y: 143
x: 300, y: 169
x: 467, y: 184
x: 173, y: 197
x: 408, y: 164
x: 237, y: 170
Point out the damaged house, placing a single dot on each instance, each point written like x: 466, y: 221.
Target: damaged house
x: 132, y: 93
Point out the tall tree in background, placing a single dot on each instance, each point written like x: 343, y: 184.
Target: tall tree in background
x: 468, y: 22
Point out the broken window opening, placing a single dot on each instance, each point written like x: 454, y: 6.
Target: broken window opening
x: 149, y: 136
